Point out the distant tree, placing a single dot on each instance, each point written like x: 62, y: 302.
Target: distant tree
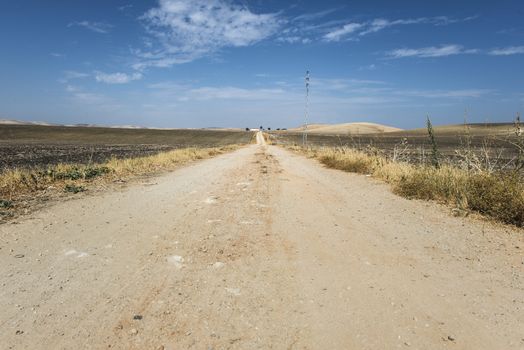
x: 269, y: 129
x: 247, y: 129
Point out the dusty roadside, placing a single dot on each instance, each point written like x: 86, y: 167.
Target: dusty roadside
x: 257, y: 249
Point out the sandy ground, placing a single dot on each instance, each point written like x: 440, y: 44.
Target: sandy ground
x: 258, y: 249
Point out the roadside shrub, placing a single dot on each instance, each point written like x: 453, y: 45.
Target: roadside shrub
x: 445, y: 184
x: 74, y: 188
x: 16, y: 183
x: 348, y: 160
x: 90, y: 173
x: 5, y: 204
x: 65, y: 172
x: 500, y: 196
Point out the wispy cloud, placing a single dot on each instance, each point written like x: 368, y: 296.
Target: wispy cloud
x: 371, y: 66
x: 117, y: 78
x: 465, y: 93
x: 347, y: 29
x: 125, y: 7
x: 507, y: 51
x: 72, y: 75
x: 432, y: 51
x: 378, y: 24
x: 79, y: 95
x: 235, y: 93
x: 315, y: 15
x: 293, y: 39
x: 97, y: 27
x: 190, y: 29
x: 186, y: 92
x: 330, y: 84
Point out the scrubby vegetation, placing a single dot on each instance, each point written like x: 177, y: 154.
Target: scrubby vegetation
x: 496, y: 194
x: 74, y: 178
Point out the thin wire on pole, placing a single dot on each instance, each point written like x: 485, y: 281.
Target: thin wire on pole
x: 306, y: 111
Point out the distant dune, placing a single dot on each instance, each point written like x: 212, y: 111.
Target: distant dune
x: 20, y: 122
x: 475, y: 129
x: 23, y: 122
x: 348, y: 128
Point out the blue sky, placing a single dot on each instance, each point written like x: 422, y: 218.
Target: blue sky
x: 176, y: 63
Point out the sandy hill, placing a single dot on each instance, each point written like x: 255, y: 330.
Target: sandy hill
x: 20, y: 122
x: 348, y: 128
x: 478, y: 129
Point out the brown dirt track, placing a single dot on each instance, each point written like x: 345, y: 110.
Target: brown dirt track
x: 258, y: 249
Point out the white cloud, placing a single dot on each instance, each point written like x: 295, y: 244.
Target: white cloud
x: 337, y: 34
x: 72, y: 75
x: 315, y: 15
x: 125, y: 7
x: 229, y: 92
x: 89, y: 97
x: 72, y: 88
x: 506, y: 51
x: 79, y: 95
x: 432, y: 51
x: 465, y: 93
x: 97, y: 27
x: 371, y: 66
x: 185, y: 93
x: 190, y: 29
x: 378, y: 24
x: 117, y: 78
x: 342, y: 84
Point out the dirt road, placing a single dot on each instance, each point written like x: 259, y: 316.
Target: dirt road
x: 258, y: 249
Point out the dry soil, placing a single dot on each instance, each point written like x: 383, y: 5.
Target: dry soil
x: 258, y: 249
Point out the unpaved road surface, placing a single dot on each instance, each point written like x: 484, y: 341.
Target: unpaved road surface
x: 258, y: 249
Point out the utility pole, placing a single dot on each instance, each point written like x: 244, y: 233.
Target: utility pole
x: 306, y: 112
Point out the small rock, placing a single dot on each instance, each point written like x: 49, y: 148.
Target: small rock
x: 137, y: 317
x: 234, y: 291
x: 451, y: 338
x: 19, y: 332
x: 176, y: 260
x: 18, y: 256
x: 133, y: 331
x: 218, y: 265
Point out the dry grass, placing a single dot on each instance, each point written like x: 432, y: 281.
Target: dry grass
x: 494, y: 194
x: 17, y: 183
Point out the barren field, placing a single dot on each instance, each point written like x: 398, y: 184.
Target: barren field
x: 258, y: 249
x: 33, y: 145
x: 347, y: 128
x: 486, y: 140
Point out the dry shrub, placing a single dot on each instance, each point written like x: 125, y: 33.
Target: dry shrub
x: 497, y: 195
x: 18, y: 182
x: 347, y: 160
x: 443, y: 184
